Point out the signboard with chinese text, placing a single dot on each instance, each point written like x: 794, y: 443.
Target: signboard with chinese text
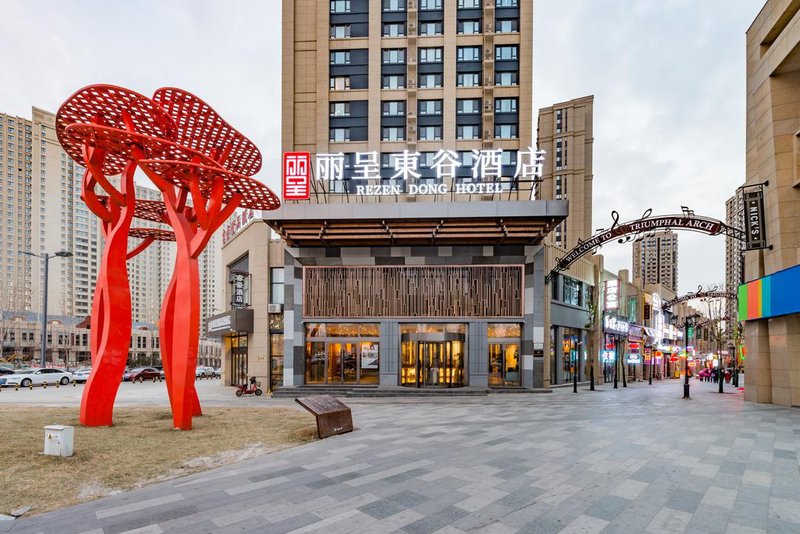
x: 236, y: 222
x: 412, y: 173
x: 612, y: 295
x: 296, y: 175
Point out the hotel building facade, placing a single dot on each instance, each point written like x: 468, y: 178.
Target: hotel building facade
x: 418, y: 261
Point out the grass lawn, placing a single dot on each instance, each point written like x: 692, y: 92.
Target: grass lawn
x: 141, y: 448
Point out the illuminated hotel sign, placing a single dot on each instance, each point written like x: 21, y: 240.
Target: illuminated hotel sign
x: 486, y: 171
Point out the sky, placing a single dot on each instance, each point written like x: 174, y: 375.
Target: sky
x: 668, y: 77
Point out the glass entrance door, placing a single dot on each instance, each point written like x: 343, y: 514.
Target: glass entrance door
x: 432, y: 360
x: 504, y: 364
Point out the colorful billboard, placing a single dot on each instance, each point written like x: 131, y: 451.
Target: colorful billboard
x: 771, y: 296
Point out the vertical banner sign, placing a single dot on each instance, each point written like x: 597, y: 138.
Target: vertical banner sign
x: 296, y: 175
x: 756, y: 237
x: 238, y: 289
x: 612, y: 295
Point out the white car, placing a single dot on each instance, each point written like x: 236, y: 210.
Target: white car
x: 37, y: 377
x: 203, y: 371
x: 81, y: 375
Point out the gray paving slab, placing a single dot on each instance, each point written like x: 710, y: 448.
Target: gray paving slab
x: 635, y: 459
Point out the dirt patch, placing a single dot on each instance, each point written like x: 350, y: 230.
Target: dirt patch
x: 140, y: 449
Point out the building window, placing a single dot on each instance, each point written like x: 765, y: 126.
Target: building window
x: 393, y: 133
x: 393, y: 81
x: 394, y: 5
x: 429, y: 107
x: 430, y: 81
x: 430, y: 5
x: 561, y: 153
x: 339, y: 135
x: 276, y: 280
x: 340, y: 57
x: 472, y: 131
x: 393, y: 108
x: 430, y: 55
x: 340, y: 31
x: 505, y: 131
x: 340, y: 6
x: 507, y: 26
x: 340, y: 109
x: 505, y: 78
x: 572, y: 292
x: 431, y: 28
x: 505, y: 105
x: 469, y: 4
x: 468, y: 106
x: 430, y: 133
x: 468, y: 79
x: 394, y: 29
x: 506, y: 53
x: 506, y: 3
x: 394, y: 56
x: 561, y: 120
x: 468, y: 53
x: 468, y: 27
x: 340, y: 83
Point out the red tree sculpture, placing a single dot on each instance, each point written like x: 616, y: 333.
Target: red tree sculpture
x: 188, y: 151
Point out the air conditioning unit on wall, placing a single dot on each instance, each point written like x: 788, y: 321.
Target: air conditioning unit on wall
x: 274, y: 308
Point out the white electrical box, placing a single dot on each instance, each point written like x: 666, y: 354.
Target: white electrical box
x: 58, y: 440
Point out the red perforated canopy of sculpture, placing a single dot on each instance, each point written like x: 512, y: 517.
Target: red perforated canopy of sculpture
x: 157, y: 234
x: 255, y: 194
x: 148, y: 210
x: 203, y: 129
x: 104, y: 104
x: 118, y: 143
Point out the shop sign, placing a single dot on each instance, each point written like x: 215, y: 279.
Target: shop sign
x: 612, y: 294
x: 635, y: 333
x: 238, y: 221
x: 486, y: 171
x: 219, y: 323
x: 634, y: 358
x: 238, y: 279
x: 296, y: 175
x: 755, y: 236
x: 633, y: 347
x: 632, y: 309
x: 692, y: 364
x: 609, y: 346
x: 615, y: 325
x: 656, y: 301
x: 608, y: 356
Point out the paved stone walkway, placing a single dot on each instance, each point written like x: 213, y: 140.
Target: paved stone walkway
x: 629, y: 460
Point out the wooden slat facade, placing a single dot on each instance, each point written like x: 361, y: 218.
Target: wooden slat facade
x: 413, y: 291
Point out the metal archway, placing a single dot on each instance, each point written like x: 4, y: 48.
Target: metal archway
x: 699, y: 294
x: 641, y: 228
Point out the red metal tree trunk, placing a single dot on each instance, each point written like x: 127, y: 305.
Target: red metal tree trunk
x: 112, y: 315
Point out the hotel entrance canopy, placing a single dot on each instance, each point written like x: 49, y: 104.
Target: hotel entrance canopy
x: 417, y: 223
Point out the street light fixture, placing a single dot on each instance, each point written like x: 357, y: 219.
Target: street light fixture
x: 689, y: 321
x: 45, y: 257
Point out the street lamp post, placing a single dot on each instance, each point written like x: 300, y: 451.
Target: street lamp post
x: 687, y: 322
x: 45, y: 257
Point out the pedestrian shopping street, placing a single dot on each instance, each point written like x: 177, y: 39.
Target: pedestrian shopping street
x: 628, y: 460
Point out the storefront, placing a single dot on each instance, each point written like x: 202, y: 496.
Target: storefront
x: 233, y: 327
x: 415, y: 295
x: 615, y: 332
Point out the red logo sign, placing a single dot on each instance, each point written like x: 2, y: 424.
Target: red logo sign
x: 296, y: 175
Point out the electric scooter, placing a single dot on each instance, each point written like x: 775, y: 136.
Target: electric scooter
x: 254, y: 387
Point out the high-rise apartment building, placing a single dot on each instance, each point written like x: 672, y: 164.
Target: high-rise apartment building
x: 565, y: 133
x: 655, y: 260
x: 41, y: 211
x: 371, y: 79
x: 734, y: 251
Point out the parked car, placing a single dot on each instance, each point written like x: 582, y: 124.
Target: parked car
x: 81, y: 375
x: 140, y: 374
x: 218, y: 372
x: 6, y: 371
x: 35, y: 377
x: 203, y: 371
